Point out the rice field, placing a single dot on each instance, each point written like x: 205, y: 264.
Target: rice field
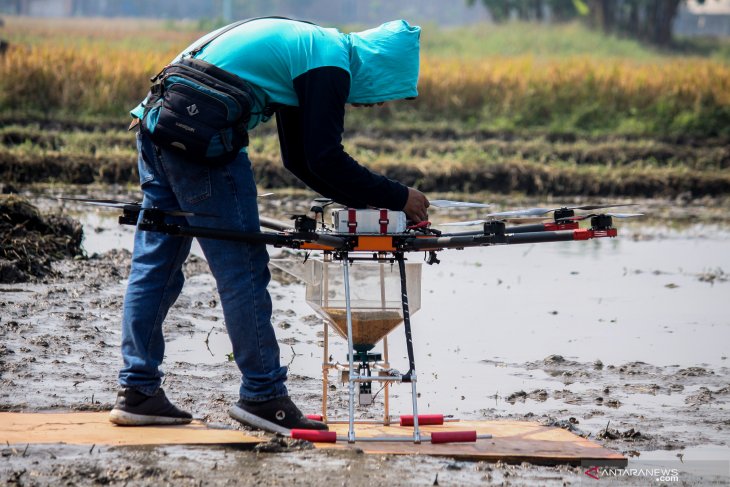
x: 70, y: 68
x: 561, y: 117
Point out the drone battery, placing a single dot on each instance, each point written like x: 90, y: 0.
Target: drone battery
x: 374, y: 222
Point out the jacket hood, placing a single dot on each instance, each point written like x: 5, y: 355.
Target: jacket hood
x: 384, y: 63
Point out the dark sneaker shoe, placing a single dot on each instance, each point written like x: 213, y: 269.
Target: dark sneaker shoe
x: 276, y: 415
x: 136, y: 409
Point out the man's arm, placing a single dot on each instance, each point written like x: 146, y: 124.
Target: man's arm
x: 312, y: 148
x: 288, y: 124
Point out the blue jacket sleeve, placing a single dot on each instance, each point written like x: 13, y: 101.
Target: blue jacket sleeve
x: 310, y: 137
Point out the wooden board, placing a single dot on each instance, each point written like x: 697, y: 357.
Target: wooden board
x: 95, y: 429
x: 513, y: 442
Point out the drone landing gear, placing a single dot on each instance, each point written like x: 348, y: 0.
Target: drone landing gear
x: 364, y: 367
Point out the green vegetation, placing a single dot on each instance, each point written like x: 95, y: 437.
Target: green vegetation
x: 559, y: 41
x: 530, y: 39
x: 433, y: 159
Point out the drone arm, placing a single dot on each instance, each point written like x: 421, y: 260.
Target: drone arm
x: 450, y: 242
x: 538, y: 227
x: 540, y: 237
x: 266, y: 238
x: 283, y: 239
x: 542, y: 227
x: 273, y: 224
x: 463, y: 241
x: 333, y: 241
x: 560, y: 235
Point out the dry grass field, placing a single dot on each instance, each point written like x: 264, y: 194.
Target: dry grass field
x: 557, y: 110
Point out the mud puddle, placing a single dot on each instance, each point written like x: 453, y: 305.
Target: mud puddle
x: 195, y: 466
x: 620, y: 340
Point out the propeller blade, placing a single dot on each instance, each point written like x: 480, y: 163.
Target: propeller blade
x: 518, y: 213
x: 545, y: 211
x: 518, y: 221
x: 578, y: 218
x: 597, y: 207
x: 108, y: 203
x: 624, y: 215
x: 515, y: 221
x: 135, y: 206
x: 456, y: 204
x: 537, y: 215
x: 469, y: 223
x: 264, y: 195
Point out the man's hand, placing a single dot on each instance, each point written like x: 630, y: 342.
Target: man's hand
x: 416, y: 206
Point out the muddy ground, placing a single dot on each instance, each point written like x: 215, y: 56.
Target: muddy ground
x: 59, y: 341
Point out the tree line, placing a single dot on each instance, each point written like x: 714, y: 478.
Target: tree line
x: 647, y: 20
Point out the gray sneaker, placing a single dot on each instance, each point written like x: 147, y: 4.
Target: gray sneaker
x: 136, y: 409
x: 277, y: 415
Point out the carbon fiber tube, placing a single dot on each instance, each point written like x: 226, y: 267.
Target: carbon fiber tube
x: 477, y: 241
x: 537, y: 227
x: 449, y: 242
x: 203, y: 232
x: 334, y: 241
x: 540, y: 237
x: 273, y: 224
x: 266, y: 238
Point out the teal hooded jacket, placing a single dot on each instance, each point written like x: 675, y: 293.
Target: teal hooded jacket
x: 309, y: 73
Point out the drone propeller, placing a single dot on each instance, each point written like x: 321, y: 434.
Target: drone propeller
x: 515, y: 221
x: 539, y: 215
x: 264, y: 195
x: 612, y: 215
x: 135, y: 206
x: 545, y: 211
x: 108, y: 203
x: 456, y: 204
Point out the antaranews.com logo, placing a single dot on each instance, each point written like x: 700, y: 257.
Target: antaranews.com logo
x: 655, y: 474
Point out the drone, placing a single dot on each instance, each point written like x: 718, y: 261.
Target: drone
x: 380, y: 236
x: 385, y: 232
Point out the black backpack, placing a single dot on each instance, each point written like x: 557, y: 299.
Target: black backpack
x: 199, y: 110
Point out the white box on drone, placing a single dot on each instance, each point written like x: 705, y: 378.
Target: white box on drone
x: 370, y: 221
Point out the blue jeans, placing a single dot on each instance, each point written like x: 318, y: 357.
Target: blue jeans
x: 169, y: 181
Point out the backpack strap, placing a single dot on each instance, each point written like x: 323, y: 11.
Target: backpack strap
x: 203, y: 44
x: 222, y: 31
x: 268, y: 110
x: 156, y: 89
x: 196, y: 50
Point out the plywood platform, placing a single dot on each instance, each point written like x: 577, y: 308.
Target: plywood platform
x: 95, y: 429
x: 512, y: 442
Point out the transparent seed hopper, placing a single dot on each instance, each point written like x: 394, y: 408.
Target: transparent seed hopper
x: 375, y: 298
x: 376, y: 307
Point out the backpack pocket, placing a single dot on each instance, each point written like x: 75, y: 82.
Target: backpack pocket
x: 197, y: 115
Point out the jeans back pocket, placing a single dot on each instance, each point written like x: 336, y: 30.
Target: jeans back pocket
x: 189, y: 181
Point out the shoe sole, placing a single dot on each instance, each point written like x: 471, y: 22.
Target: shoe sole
x: 123, y: 418
x: 243, y: 416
